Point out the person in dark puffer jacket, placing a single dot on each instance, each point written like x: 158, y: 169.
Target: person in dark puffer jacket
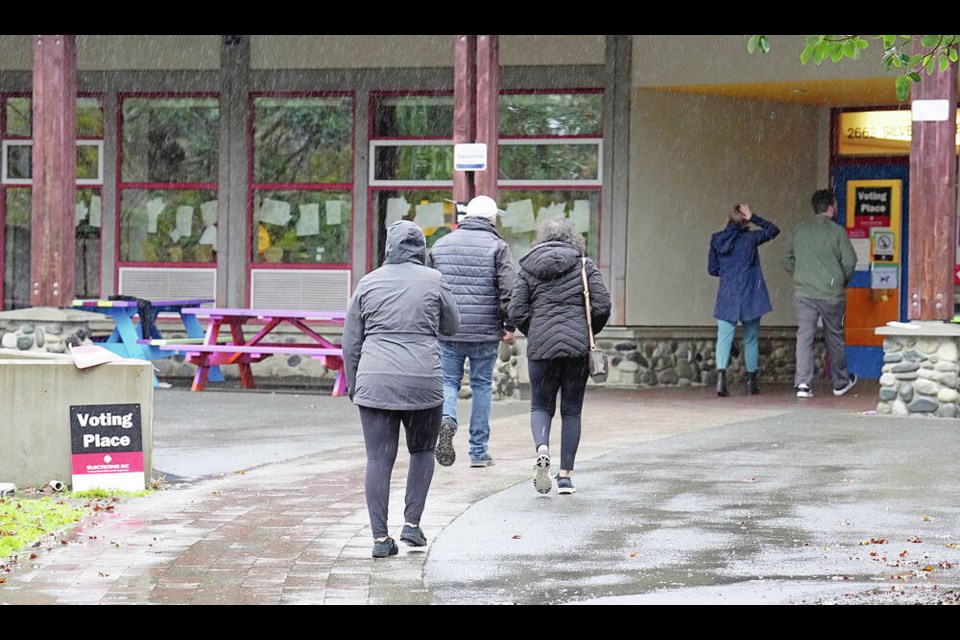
x: 548, y: 307
x: 477, y: 264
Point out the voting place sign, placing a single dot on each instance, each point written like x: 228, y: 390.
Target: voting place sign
x: 107, y: 446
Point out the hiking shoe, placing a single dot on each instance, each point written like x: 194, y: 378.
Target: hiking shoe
x: 446, y: 454
x: 843, y: 390
x: 542, y: 481
x: 485, y: 461
x: 413, y: 536
x: 384, y: 548
x: 565, y: 485
x: 803, y: 391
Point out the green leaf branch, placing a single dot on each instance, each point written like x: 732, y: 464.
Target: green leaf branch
x: 909, y: 55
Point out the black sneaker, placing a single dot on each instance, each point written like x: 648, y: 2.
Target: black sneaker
x: 413, y: 536
x: 542, y: 481
x: 446, y: 454
x: 385, y: 548
x: 843, y: 390
x: 565, y: 485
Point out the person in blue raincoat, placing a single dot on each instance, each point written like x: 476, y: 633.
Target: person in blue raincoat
x: 742, y: 294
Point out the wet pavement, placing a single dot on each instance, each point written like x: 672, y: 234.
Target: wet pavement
x: 682, y: 498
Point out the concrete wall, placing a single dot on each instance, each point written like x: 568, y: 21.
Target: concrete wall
x: 35, y: 399
x: 416, y: 51
x: 113, y: 52
x: 691, y: 159
x: 664, y: 60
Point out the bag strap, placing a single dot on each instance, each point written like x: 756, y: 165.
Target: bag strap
x: 586, y: 301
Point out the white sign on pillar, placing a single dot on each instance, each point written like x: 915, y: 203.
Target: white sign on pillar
x: 470, y: 157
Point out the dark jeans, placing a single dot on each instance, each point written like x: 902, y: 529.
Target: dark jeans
x: 568, y: 377
x: 381, y: 434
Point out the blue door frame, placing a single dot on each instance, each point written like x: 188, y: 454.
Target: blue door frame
x: 867, y: 362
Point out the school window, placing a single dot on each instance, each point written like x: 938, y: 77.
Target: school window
x: 16, y: 197
x: 551, y: 146
x: 168, y: 180
x: 550, y: 151
x: 302, y: 182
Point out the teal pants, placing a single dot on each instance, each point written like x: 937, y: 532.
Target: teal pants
x: 751, y: 342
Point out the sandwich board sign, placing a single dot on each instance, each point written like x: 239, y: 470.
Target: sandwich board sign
x: 107, y: 446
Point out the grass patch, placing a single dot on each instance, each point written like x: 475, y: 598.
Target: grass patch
x: 27, y: 517
x: 25, y: 520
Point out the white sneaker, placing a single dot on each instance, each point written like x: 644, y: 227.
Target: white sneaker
x: 853, y: 381
x: 803, y: 391
x: 542, y: 481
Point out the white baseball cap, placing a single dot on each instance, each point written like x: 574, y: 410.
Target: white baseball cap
x: 482, y: 206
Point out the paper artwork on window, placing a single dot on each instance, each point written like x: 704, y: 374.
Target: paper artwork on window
x: 580, y: 216
x: 397, y: 209
x: 519, y: 216
x: 81, y: 213
x: 309, y: 222
x: 209, y: 236
x: 275, y: 212
x: 208, y: 212
x: 333, y: 209
x: 96, y: 211
x: 429, y: 215
x: 552, y: 210
x: 185, y: 220
x: 154, y: 208
x: 862, y: 248
x: 175, y: 235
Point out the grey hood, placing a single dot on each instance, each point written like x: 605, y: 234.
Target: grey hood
x: 405, y: 243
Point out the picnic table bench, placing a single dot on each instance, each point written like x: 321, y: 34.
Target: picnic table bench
x: 128, y: 340
x: 244, y: 351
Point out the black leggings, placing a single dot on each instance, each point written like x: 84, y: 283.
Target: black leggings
x: 381, y: 434
x: 568, y: 376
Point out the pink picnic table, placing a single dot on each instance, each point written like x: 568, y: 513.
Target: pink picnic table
x: 242, y: 350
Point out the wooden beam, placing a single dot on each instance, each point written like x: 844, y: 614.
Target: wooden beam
x: 464, y: 108
x: 52, y: 239
x: 488, y: 111
x: 933, y: 193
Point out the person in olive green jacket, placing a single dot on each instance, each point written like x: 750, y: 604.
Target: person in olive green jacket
x: 821, y: 259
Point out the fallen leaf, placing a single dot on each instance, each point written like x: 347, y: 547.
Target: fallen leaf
x: 32, y: 556
x: 2, y: 580
x: 517, y: 536
x: 633, y: 555
x: 240, y: 472
x: 927, y: 518
x: 749, y: 479
x: 873, y: 553
x: 102, y: 574
x: 903, y: 553
x: 928, y: 568
x: 915, y: 539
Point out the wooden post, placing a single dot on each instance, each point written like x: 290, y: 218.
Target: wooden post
x: 52, y: 236
x: 488, y: 111
x: 933, y: 196
x: 464, y: 108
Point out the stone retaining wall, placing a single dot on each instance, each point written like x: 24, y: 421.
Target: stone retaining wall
x: 920, y: 376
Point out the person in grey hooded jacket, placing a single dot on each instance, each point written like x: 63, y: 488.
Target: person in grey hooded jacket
x: 548, y: 307
x: 392, y: 361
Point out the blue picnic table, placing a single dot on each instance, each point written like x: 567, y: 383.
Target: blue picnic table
x: 126, y: 340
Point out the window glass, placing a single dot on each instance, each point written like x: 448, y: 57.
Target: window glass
x: 168, y: 225
x: 301, y: 227
x: 551, y: 114
x: 170, y: 140
x: 303, y: 140
x: 413, y: 117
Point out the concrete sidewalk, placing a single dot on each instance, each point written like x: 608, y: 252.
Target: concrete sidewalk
x: 682, y: 498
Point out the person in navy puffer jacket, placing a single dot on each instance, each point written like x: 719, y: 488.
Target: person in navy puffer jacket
x: 742, y: 294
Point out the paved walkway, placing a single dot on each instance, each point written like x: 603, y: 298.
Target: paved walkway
x: 682, y: 497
